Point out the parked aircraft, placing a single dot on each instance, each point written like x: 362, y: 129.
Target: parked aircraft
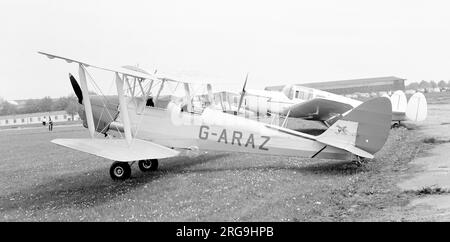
x: 133, y: 129
x: 312, y: 104
x: 413, y: 110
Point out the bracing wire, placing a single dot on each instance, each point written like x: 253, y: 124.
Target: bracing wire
x: 103, y: 96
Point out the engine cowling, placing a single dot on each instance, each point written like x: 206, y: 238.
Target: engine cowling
x: 104, y: 108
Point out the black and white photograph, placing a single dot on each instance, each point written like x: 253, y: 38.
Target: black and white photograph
x: 224, y: 111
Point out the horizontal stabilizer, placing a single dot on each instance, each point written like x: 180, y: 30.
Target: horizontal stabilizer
x: 119, y: 149
x: 343, y: 135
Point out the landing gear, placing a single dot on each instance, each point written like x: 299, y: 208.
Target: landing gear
x: 395, y: 125
x: 148, y: 165
x: 120, y: 170
x: 359, y: 161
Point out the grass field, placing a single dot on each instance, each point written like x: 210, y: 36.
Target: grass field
x: 44, y: 182
x: 40, y: 181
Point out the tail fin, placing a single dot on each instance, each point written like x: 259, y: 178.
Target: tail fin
x: 417, y: 107
x: 399, y: 101
x: 364, y: 130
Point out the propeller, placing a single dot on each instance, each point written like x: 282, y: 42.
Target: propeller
x: 76, y: 88
x: 242, y: 94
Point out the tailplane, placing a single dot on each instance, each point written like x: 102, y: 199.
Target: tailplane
x: 364, y: 130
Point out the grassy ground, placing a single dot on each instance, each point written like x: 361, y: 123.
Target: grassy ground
x: 43, y: 182
x: 438, y: 97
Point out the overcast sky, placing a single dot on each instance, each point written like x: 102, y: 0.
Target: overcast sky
x: 278, y: 42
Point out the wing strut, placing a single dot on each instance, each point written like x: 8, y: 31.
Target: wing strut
x: 188, y: 97
x: 286, y: 119
x: 142, y: 89
x: 86, y: 100
x: 155, y: 99
x: 123, y: 109
x: 210, y: 94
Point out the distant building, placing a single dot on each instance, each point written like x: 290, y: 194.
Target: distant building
x: 364, y: 85
x: 36, y: 118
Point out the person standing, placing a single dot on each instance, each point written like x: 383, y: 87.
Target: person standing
x: 50, y: 124
x: 44, y: 121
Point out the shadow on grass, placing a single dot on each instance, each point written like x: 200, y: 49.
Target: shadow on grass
x: 433, y: 140
x: 320, y: 168
x: 91, y: 188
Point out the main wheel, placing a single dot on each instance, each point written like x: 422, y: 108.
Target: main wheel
x: 120, y: 170
x: 148, y: 165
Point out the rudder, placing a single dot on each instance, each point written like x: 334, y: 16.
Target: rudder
x: 363, y: 130
x: 417, y: 107
x: 399, y: 101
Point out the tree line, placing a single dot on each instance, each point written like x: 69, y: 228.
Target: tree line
x: 428, y: 84
x: 46, y: 104
x: 71, y: 106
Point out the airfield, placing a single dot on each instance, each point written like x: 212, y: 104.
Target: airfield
x: 407, y: 181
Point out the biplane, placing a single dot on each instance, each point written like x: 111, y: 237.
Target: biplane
x: 313, y: 104
x: 137, y: 126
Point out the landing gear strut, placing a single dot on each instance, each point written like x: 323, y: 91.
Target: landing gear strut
x: 395, y: 125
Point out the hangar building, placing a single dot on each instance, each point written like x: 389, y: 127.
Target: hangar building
x: 364, y: 85
x: 36, y: 118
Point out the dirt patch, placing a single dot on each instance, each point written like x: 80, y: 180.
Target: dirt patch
x: 430, y: 190
x: 369, y: 192
x: 433, y: 140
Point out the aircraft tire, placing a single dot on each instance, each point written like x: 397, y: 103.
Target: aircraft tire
x: 120, y: 171
x: 148, y: 165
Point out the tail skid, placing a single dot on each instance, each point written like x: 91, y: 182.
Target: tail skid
x: 363, y: 131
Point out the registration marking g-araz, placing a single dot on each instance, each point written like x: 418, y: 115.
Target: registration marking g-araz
x: 237, y: 138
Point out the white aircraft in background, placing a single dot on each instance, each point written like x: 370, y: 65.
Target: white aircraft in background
x: 312, y: 104
x: 415, y: 109
x: 129, y: 128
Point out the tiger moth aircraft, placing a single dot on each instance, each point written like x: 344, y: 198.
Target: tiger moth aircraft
x: 295, y: 101
x: 130, y: 127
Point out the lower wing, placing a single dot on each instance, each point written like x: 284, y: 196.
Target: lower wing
x: 119, y: 149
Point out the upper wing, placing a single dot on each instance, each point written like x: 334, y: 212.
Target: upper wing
x: 126, y: 71
x: 318, y: 109
x: 119, y: 149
